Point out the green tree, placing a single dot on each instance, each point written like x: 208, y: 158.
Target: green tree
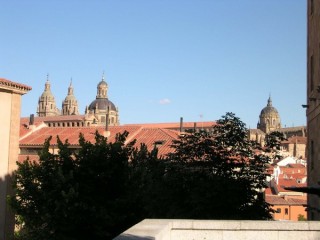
x: 223, y: 168
x: 75, y: 195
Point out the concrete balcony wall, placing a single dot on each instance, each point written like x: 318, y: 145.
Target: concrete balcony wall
x: 158, y: 229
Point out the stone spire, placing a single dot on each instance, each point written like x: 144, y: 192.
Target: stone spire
x: 269, y: 101
x: 70, y: 103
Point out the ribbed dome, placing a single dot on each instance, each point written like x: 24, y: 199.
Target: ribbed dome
x: 102, y: 104
x: 269, y: 110
x: 47, y: 92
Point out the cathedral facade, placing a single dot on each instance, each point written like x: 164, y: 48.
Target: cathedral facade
x: 99, y: 112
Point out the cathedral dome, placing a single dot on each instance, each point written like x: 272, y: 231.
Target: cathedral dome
x: 269, y: 110
x: 102, y: 104
x: 269, y: 118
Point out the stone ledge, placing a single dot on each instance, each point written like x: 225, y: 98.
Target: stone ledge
x: 174, y: 229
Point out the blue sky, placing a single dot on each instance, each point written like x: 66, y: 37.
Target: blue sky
x: 163, y: 59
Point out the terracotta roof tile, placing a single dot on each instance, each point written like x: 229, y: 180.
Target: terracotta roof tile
x: 279, y: 200
x: 288, y: 183
x: 149, y: 136
x: 174, y: 125
x: 7, y: 83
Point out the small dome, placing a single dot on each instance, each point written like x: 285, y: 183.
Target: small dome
x: 102, y: 84
x: 102, y: 104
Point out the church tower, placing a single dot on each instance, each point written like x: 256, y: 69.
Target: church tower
x: 47, y: 104
x: 269, y: 118
x: 102, y: 111
x: 70, y: 103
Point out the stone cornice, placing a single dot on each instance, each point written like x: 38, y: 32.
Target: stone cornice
x: 13, y: 86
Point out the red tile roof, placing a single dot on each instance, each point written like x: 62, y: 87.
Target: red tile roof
x: 288, y: 183
x: 7, y: 83
x: 279, y: 200
x: 293, y: 169
x: 72, y: 134
x: 149, y: 136
x: 175, y: 125
x: 157, y: 136
x: 24, y: 125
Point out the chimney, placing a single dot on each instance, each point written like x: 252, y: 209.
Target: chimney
x: 31, y: 121
x: 181, y: 124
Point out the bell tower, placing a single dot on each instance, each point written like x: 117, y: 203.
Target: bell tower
x: 70, y: 103
x: 46, y: 103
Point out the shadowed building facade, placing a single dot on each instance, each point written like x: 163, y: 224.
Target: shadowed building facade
x: 10, y: 105
x: 313, y: 107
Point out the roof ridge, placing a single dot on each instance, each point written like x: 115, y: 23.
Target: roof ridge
x: 133, y: 135
x: 36, y: 128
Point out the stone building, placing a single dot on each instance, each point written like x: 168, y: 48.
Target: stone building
x: 10, y: 105
x: 97, y: 113
x: 313, y: 107
x: 269, y: 121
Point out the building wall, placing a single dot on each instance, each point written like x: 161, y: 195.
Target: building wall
x: 5, y: 122
x: 287, y: 212
x: 313, y: 105
x: 10, y: 104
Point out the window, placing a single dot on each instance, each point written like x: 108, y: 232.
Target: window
x: 278, y: 210
x: 311, y: 7
x: 286, y: 211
